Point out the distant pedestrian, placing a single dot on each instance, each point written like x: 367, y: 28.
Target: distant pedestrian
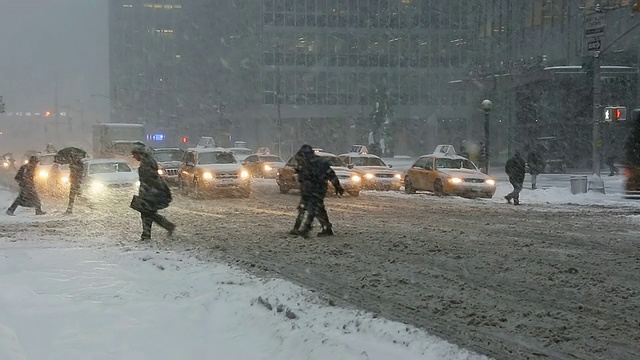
x: 154, y: 195
x: 28, y: 196
x: 76, y: 172
x: 611, y: 162
x: 536, y: 167
x: 516, y: 170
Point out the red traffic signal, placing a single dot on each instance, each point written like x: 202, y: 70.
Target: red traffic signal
x: 185, y: 140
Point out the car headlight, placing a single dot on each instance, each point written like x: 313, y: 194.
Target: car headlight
x: 5, y: 164
x: 490, y: 182
x: 161, y: 172
x: 356, y: 178
x: 369, y: 176
x: 455, y: 180
x: 207, y: 176
x: 137, y: 184
x: 43, y: 174
x: 97, y: 186
x: 244, y: 174
x: 398, y: 176
x: 268, y: 168
x: 64, y: 179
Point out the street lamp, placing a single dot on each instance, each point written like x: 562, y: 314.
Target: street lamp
x: 486, y: 106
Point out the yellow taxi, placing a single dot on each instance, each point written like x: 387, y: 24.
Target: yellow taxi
x: 375, y: 174
x: 446, y: 173
x: 350, y: 180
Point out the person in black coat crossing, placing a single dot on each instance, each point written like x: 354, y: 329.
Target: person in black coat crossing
x: 76, y: 173
x: 28, y: 196
x: 516, y: 170
x: 313, y: 174
x: 154, y: 195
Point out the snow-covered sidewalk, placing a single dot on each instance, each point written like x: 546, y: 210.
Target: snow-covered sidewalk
x: 61, y: 302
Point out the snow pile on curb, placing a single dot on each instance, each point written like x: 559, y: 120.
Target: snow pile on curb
x: 563, y: 196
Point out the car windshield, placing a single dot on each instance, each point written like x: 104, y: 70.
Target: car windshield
x: 334, y: 161
x: 367, y: 161
x: 46, y: 160
x: 216, y: 158
x: 111, y: 167
x: 270, y: 159
x: 168, y: 156
x: 455, y: 164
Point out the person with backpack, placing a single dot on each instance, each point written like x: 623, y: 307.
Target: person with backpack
x: 154, y: 195
x: 516, y: 170
x: 28, y: 196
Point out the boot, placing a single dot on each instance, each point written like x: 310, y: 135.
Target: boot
x: 10, y: 213
x: 516, y: 201
x: 508, y: 199
x: 69, y: 211
x: 294, y: 232
x: 171, y: 229
x: 40, y: 212
x: 327, y: 231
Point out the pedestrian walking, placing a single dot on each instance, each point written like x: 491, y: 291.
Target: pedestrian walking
x: 611, y: 162
x: 28, y: 196
x: 516, y: 170
x: 536, y: 167
x: 76, y: 173
x: 313, y: 174
x: 154, y: 195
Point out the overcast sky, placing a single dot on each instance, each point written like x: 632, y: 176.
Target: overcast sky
x: 42, y: 39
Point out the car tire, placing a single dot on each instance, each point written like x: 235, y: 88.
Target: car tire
x: 408, y: 188
x: 438, y: 188
x: 283, y: 189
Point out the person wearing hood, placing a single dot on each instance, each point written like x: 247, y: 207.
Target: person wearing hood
x: 154, y: 195
x: 516, y: 170
x: 313, y: 174
x: 28, y: 196
x: 536, y: 167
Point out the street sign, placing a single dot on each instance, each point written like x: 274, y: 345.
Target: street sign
x: 594, y: 26
x: 594, y: 45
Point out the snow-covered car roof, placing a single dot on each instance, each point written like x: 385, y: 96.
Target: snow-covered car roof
x: 240, y: 149
x: 167, y: 149
x: 104, y: 161
x: 209, y: 150
x: 360, y: 155
x: 325, y: 154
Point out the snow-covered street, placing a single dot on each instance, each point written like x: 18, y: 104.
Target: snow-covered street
x: 553, y: 276
x: 62, y: 301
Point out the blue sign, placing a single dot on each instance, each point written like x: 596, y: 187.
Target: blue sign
x: 156, y: 137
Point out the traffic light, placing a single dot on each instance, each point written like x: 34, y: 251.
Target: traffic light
x: 185, y: 140
x: 615, y: 113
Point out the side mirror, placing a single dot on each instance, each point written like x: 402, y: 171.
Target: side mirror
x: 390, y: 166
x: 350, y: 166
x: 243, y: 163
x: 189, y: 163
x: 428, y: 168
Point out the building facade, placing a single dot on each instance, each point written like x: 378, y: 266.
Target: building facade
x: 299, y: 70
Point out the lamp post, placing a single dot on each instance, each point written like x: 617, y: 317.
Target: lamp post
x: 486, y: 106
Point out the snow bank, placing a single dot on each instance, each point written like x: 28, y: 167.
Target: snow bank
x: 62, y: 302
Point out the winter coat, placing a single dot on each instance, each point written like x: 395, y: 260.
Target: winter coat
x: 25, y: 177
x: 154, y: 192
x: 76, y: 173
x: 516, y: 169
x: 313, y: 174
x: 536, y: 164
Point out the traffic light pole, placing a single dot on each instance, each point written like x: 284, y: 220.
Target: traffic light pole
x: 597, y: 92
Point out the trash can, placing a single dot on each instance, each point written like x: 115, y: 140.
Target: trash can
x: 578, y: 184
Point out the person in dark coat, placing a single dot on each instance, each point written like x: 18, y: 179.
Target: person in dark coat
x: 154, y: 194
x: 76, y: 173
x: 313, y: 174
x: 28, y: 196
x: 536, y: 167
x: 611, y: 162
x: 516, y: 170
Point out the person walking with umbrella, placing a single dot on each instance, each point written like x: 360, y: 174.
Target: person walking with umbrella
x: 154, y: 195
x: 76, y: 173
x: 28, y: 196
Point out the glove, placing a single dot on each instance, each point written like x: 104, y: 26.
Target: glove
x: 339, y: 191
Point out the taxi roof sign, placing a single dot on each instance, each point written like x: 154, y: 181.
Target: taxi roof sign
x: 447, y: 150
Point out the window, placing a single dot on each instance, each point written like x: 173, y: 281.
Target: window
x: 168, y: 156
x: 422, y: 162
x: 368, y: 161
x: 455, y: 164
x: 111, y: 167
x: 209, y: 158
x: 190, y: 157
x: 271, y: 158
